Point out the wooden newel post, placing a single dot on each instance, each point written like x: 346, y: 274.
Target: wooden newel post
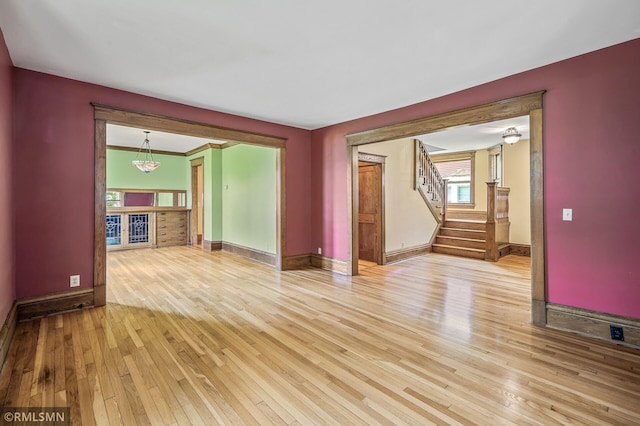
x: 491, y: 247
x: 445, y: 198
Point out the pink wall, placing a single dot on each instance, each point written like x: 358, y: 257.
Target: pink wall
x: 591, y: 157
x: 7, y: 263
x: 54, y: 175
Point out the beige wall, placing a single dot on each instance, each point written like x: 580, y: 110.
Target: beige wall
x: 516, y: 177
x: 408, y: 220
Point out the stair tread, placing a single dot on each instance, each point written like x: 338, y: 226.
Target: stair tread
x: 458, y: 248
x: 462, y: 238
x: 464, y: 229
x: 467, y: 220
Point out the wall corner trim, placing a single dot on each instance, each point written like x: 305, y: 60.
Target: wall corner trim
x: 55, y: 303
x: 211, y: 245
x: 593, y: 324
x: 330, y: 264
x: 7, y: 332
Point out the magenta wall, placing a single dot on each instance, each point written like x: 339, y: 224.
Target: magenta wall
x: 591, y: 164
x: 7, y: 287
x: 54, y: 175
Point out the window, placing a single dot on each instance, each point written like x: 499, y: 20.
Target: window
x: 495, y: 164
x: 458, y: 169
x: 140, y: 199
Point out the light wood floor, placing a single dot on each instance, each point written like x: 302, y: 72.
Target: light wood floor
x: 206, y: 338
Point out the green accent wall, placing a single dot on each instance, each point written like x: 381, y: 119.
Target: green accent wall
x: 249, y: 197
x: 122, y: 174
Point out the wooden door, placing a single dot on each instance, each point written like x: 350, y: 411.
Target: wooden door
x: 369, y: 213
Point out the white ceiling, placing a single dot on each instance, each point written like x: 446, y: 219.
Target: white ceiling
x: 473, y: 138
x: 302, y: 63
x: 159, y: 141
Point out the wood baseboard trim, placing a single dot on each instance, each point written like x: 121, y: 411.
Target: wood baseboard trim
x: 330, y: 264
x: 299, y: 261
x: 7, y: 331
x: 405, y: 253
x: 520, y: 249
x: 258, y: 255
x: 42, y: 306
x: 593, y: 324
x: 211, y: 245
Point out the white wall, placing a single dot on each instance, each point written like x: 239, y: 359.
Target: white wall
x: 408, y: 220
x: 516, y: 177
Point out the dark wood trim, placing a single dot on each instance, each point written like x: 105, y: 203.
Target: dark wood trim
x: 153, y: 151
x: 330, y: 264
x: 203, y: 148
x: 258, y: 255
x: 211, y: 245
x: 538, y: 244
x: 125, y: 117
x: 520, y: 249
x: 7, y: 332
x: 281, y: 211
x: 593, y: 324
x: 352, y: 210
x: 406, y: 253
x: 529, y: 104
x: 372, y: 158
x: 485, y: 113
x: 55, y: 303
x: 299, y: 261
x: 100, y: 214
x: 193, y: 220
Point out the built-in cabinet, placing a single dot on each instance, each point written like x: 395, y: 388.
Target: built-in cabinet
x: 146, y: 218
x: 171, y: 228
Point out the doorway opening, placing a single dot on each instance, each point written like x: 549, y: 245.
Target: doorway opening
x: 526, y: 105
x: 197, y: 201
x: 104, y: 115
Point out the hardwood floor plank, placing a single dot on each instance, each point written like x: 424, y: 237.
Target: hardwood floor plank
x: 190, y: 337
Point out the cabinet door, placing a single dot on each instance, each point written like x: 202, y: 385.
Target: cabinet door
x: 138, y: 225
x: 114, y: 231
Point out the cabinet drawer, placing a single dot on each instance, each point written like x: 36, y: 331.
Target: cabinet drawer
x: 170, y: 234
x: 171, y: 241
x: 171, y: 226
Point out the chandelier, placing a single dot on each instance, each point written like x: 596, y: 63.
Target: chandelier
x: 146, y: 164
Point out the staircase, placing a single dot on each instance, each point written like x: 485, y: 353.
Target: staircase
x: 474, y: 234
x: 462, y: 237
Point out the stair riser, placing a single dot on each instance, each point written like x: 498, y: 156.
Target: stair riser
x: 480, y: 226
x: 467, y: 215
x: 460, y: 243
x: 463, y: 234
x: 458, y: 252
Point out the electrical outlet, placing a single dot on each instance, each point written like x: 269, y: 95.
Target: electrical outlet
x: 616, y: 333
x: 74, y: 281
x: 319, y: 250
x: 567, y: 215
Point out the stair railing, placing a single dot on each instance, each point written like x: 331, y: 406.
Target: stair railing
x: 429, y: 183
x: 497, y: 220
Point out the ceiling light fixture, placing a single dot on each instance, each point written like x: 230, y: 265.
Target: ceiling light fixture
x: 511, y: 135
x: 147, y: 164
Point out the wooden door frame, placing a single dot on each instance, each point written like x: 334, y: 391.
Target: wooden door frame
x: 193, y: 232
x: 378, y: 159
x: 104, y: 114
x: 529, y: 104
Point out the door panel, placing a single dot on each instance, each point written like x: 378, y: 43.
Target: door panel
x: 369, y: 204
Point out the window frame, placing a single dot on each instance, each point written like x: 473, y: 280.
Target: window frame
x: 461, y: 156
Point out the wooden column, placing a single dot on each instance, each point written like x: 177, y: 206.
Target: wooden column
x: 491, y: 247
x: 100, y: 215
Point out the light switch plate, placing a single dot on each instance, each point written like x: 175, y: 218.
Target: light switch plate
x: 567, y: 215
